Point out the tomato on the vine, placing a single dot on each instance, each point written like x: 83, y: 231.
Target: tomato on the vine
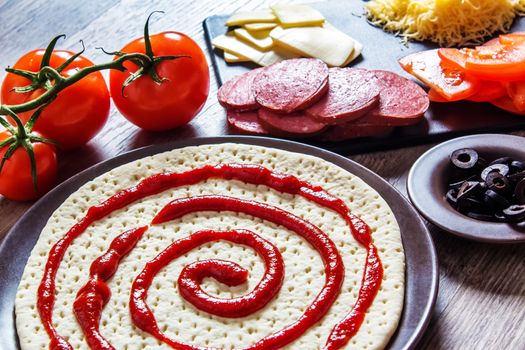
x: 177, y: 98
x: 77, y: 114
x: 16, y: 181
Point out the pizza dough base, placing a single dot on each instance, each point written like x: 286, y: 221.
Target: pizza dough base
x: 304, y: 270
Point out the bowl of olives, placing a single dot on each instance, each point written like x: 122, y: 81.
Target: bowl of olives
x: 473, y: 186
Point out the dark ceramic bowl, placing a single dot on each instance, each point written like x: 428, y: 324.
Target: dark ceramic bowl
x: 428, y: 183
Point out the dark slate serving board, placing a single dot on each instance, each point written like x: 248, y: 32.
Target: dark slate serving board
x: 381, y: 51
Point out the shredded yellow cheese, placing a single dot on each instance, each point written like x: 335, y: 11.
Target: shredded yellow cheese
x: 445, y: 22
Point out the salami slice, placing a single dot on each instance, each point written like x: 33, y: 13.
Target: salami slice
x: 295, y: 124
x: 401, y: 101
x: 246, y: 122
x: 237, y: 93
x: 291, y: 85
x: 353, y: 130
x: 351, y: 94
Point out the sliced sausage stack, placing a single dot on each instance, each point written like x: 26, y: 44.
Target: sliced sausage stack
x: 303, y: 97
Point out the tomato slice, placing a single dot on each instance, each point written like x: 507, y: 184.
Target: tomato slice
x: 516, y: 91
x: 435, y: 96
x: 512, y: 38
x: 488, y: 91
x: 506, y: 104
x: 454, y: 57
x: 497, y: 62
x: 446, y: 79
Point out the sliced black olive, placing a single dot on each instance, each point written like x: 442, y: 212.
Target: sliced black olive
x: 469, y: 204
x: 517, y: 166
x: 519, y: 191
x: 464, y: 158
x: 500, y: 217
x: 495, y: 201
x: 500, y: 168
x: 452, y: 197
x: 470, y: 189
x: 457, y: 185
x: 517, y: 176
x: 497, y: 182
x: 480, y: 216
x: 502, y: 160
x: 515, y: 213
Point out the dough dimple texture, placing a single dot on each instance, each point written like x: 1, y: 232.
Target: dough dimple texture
x: 304, y: 271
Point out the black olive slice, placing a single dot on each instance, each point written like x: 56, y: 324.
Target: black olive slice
x: 500, y: 217
x: 464, y: 159
x: 457, y: 185
x: 519, y: 191
x: 452, y: 197
x: 470, y: 189
x: 497, y: 182
x: 517, y: 176
x: 466, y: 205
x: 480, y: 216
x: 500, y: 168
x: 494, y: 200
x: 517, y: 166
x: 515, y: 213
x: 502, y: 160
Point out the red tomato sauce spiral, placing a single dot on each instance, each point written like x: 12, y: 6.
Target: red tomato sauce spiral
x: 223, y: 271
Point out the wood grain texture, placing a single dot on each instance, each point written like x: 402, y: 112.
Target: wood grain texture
x: 481, y: 303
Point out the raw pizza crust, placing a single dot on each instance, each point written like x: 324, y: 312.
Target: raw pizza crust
x: 304, y: 271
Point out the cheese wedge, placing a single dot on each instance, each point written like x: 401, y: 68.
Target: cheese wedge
x: 333, y: 47
x: 231, y: 58
x: 229, y: 43
x: 297, y: 15
x: 255, y: 27
x: 255, y: 16
x: 260, y: 39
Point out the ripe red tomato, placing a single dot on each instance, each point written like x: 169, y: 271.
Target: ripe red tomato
x: 178, y: 98
x: 77, y: 114
x: 16, y: 182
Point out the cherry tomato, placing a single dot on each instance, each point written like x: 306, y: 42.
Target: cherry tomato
x: 180, y: 96
x: 77, y: 114
x: 447, y: 80
x: 16, y: 182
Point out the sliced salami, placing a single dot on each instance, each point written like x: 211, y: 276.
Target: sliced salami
x: 353, y: 130
x: 291, y: 85
x: 237, y: 94
x: 246, y: 122
x: 351, y: 94
x: 296, y: 124
x: 401, y: 101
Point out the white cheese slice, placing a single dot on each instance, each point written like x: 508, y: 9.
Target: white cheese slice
x: 229, y: 43
x: 255, y: 16
x: 255, y: 27
x: 260, y: 39
x: 290, y: 15
x: 231, y: 58
x: 332, y: 47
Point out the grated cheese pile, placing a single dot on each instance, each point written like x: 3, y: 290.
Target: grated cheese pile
x: 445, y: 22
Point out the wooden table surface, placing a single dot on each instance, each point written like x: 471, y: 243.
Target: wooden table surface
x: 481, y: 302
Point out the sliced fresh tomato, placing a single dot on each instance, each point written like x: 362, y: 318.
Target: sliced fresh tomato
x: 448, y: 80
x: 506, y: 104
x: 488, y: 91
x: 512, y: 38
x: 434, y: 96
x: 497, y: 62
x: 454, y: 57
x: 516, y: 91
